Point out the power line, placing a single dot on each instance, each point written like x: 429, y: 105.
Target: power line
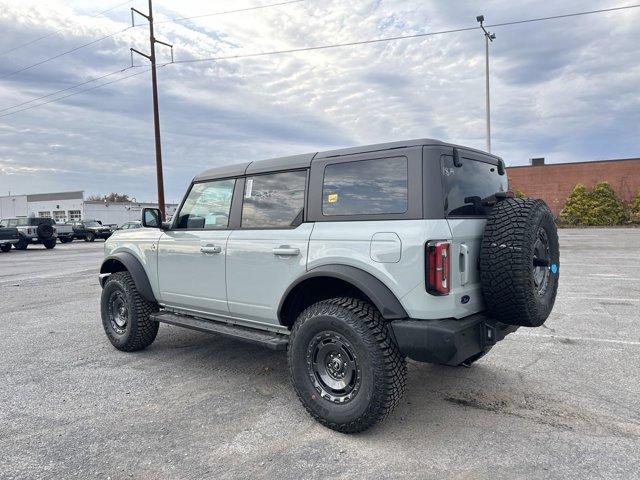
x: 258, y: 7
x: 320, y: 47
x: 75, y: 49
x: 69, y: 88
x: 81, y: 91
x: 401, y: 37
x: 18, y: 47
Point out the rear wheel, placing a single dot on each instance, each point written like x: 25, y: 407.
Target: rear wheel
x: 49, y: 243
x: 344, y: 366
x: 65, y: 239
x: 22, y: 244
x: 125, y: 314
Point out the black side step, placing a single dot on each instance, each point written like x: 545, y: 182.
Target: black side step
x: 274, y: 341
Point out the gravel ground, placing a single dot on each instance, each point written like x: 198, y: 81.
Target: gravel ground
x: 555, y: 402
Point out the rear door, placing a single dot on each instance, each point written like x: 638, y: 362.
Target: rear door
x: 269, y: 250
x: 464, y: 188
x: 191, y: 256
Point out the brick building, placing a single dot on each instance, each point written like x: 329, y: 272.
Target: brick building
x: 554, y: 182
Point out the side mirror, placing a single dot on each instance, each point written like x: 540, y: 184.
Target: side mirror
x: 151, y: 218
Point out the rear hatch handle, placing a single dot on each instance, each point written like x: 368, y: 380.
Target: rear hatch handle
x: 464, y: 264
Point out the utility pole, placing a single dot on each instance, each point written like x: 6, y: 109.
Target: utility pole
x: 488, y: 37
x: 154, y: 85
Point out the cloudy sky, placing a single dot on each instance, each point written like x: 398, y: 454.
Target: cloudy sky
x: 566, y: 89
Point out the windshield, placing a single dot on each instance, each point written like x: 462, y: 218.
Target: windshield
x: 92, y: 224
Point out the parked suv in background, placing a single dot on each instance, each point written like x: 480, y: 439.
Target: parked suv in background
x: 8, y: 237
x: 350, y: 259
x: 89, y: 230
x: 33, y: 230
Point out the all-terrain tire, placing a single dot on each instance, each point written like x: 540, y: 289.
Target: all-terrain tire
x: 139, y: 330
x: 381, y: 367
x: 49, y: 243
x: 44, y: 231
x: 520, y: 237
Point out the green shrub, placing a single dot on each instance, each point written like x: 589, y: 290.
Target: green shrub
x: 576, y: 205
x: 634, y: 210
x: 599, y: 207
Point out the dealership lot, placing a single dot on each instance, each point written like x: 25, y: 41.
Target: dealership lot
x: 559, y: 401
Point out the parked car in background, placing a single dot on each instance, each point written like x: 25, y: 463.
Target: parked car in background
x: 130, y: 225
x: 8, y: 237
x: 89, y: 230
x: 65, y: 232
x: 33, y: 230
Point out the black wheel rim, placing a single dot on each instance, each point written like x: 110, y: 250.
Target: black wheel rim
x: 333, y: 367
x: 118, y: 312
x: 541, y: 261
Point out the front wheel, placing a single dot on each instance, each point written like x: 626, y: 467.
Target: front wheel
x: 5, y: 247
x: 125, y: 314
x: 49, y: 243
x: 91, y: 237
x: 347, y: 371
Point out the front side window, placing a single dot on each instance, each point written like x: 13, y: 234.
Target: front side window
x: 207, y: 206
x: 274, y: 201
x: 366, y: 187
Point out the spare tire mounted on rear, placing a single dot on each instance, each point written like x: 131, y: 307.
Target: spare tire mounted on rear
x: 519, y: 262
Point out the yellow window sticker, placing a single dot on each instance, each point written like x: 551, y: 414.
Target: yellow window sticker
x: 332, y: 198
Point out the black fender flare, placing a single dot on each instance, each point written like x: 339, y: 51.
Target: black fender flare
x: 134, y: 267
x: 382, y: 297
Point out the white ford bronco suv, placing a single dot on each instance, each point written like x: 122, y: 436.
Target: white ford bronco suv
x: 351, y: 260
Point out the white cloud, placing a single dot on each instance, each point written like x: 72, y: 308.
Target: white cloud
x: 563, y: 89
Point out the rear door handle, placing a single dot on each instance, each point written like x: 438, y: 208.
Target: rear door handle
x: 209, y: 249
x: 286, y: 251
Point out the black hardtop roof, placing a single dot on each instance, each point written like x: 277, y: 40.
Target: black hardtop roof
x: 304, y: 161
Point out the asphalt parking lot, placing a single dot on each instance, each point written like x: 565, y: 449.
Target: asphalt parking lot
x: 561, y: 401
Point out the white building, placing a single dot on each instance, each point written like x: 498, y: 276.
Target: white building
x: 66, y: 206
x: 118, y: 213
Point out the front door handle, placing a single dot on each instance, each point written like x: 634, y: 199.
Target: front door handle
x: 286, y: 251
x: 209, y: 249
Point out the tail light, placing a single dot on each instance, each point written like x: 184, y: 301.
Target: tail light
x: 438, y: 267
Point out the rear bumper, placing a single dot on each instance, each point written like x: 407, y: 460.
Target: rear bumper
x: 448, y: 341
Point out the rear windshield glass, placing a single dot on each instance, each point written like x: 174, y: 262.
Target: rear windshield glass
x: 474, y: 181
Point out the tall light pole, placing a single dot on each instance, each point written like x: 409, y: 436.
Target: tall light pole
x: 488, y: 37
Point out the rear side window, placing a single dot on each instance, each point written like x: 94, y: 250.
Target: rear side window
x: 366, y: 187
x: 466, y: 187
x: 274, y: 201
x: 207, y: 206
